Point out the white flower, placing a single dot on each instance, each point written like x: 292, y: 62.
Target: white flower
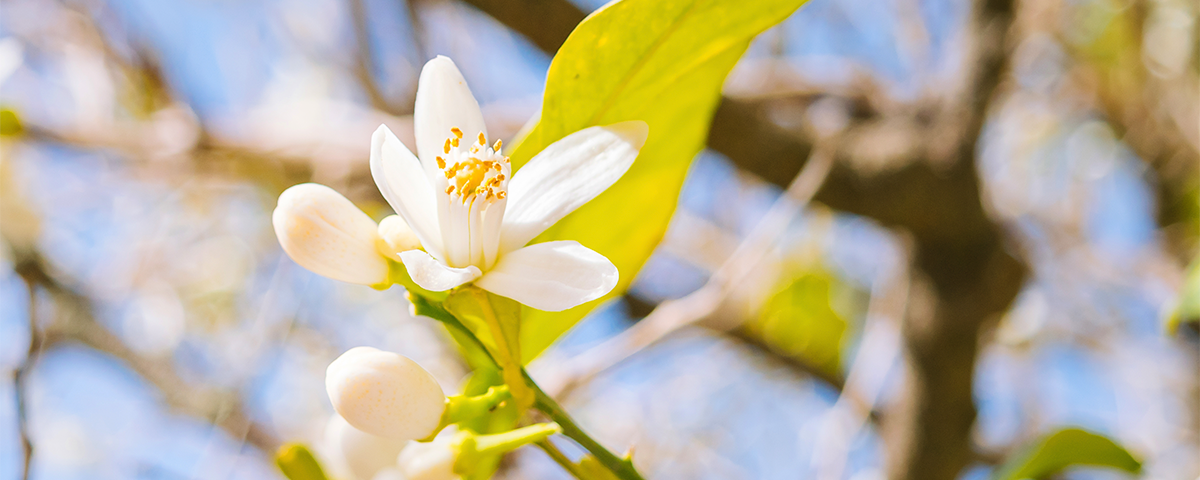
x: 324, y: 232
x: 357, y: 454
x: 385, y: 394
x: 473, y: 216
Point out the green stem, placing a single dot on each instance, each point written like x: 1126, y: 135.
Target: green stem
x: 622, y: 467
x: 462, y: 407
x: 471, y: 447
x: 555, y: 454
x: 510, y: 363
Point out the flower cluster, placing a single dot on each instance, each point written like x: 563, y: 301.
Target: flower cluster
x: 463, y: 215
x: 387, y: 406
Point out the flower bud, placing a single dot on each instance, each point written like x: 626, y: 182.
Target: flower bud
x: 395, y: 236
x: 430, y: 461
x: 358, y: 454
x: 385, y: 394
x: 324, y: 232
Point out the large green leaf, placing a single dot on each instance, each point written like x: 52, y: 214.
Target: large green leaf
x: 1066, y: 448
x: 660, y: 61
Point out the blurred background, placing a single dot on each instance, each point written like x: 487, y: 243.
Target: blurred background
x: 997, y: 252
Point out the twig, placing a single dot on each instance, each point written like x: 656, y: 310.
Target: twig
x: 675, y: 314
x: 364, y: 62
x: 20, y: 377
x: 878, y: 352
x: 76, y: 322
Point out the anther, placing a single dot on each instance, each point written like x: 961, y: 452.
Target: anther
x: 449, y: 189
x: 482, y: 139
x: 441, y: 163
x: 496, y: 147
x: 446, y: 148
x: 456, y: 132
x: 500, y: 177
x: 454, y: 141
x: 498, y: 167
x: 501, y: 194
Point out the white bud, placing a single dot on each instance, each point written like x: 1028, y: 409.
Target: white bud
x: 395, y: 237
x: 358, y: 454
x: 324, y: 232
x: 429, y: 461
x: 385, y: 394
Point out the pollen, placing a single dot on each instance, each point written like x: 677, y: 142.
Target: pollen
x: 496, y: 147
x: 474, y: 173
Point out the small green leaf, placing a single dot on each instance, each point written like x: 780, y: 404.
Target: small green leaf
x: 1067, y: 448
x: 799, y: 322
x: 659, y: 61
x: 297, y: 463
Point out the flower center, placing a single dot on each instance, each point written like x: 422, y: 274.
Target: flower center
x: 474, y: 173
x: 476, y: 185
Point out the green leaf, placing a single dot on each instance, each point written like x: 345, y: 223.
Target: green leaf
x: 1067, y: 448
x: 659, y: 61
x: 1188, y: 308
x: 297, y: 463
x: 799, y: 322
x: 10, y: 123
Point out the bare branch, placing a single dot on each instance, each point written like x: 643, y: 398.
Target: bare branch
x: 21, y: 376
x: 364, y: 61
x: 75, y: 321
x: 559, y: 377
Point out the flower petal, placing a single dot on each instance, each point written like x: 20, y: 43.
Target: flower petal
x: 400, y: 179
x: 566, y: 175
x: 433, y: 275
x: 551, y: 276
x: 324, y: 232
x: 443, y: 102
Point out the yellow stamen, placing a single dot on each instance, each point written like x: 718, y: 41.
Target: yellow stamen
x: 456, y: 132
x: 501, y: 194
x: 482, y: 139
x: 454, y: 141
x: 449, y: 189
x: 441, y: 163
x: 447, y: 147
x: 496, y: 147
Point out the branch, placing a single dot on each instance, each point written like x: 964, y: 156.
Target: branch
x: 364, y: 62
x: 75, y: 321
x: 21, y: 375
